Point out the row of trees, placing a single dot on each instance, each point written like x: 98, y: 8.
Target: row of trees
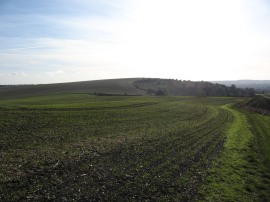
x: 189, y: 88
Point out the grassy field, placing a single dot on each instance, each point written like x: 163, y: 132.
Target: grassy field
x: 110, y: 148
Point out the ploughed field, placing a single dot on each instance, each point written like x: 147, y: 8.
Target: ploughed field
x: 110, y: 148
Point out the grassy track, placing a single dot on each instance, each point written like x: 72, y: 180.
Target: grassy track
x: 241, y: 172
x: 83, y: 147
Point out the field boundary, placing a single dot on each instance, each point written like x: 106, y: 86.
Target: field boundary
x: 236, y: 173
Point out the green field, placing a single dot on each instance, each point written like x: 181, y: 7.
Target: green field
x: 132, y: 148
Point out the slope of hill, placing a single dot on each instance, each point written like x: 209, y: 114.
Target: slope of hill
x: 111, y: 86
x: 127, y: 86
x: 259, y: 104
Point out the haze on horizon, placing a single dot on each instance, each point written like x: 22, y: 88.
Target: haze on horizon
x: 74, y: 40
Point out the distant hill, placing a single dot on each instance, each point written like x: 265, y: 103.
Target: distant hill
x: 127, y: 86
x: 258, y: 85
x: 110, y: 86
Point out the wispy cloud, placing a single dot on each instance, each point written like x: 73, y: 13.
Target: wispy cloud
x: 71, y: 36
x: 82, y: 40
x: 14, y: 74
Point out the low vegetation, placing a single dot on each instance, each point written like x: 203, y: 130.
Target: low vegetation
x: 259, y: 104
x: 85, y: 147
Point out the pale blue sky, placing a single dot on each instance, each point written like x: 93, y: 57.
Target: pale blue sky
x: 71, y: 40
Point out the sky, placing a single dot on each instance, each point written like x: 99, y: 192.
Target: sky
x: 56, y: 41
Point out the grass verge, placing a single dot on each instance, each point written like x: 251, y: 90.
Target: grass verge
x: 238, y: 174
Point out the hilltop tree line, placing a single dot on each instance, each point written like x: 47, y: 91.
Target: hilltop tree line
x: 161, y: 87
x: 260, y: 86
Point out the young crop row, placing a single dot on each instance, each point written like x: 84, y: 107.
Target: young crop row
x: 137, y: 149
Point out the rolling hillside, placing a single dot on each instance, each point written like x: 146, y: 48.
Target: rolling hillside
x: 127, y: 86
x: 111, y: 86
